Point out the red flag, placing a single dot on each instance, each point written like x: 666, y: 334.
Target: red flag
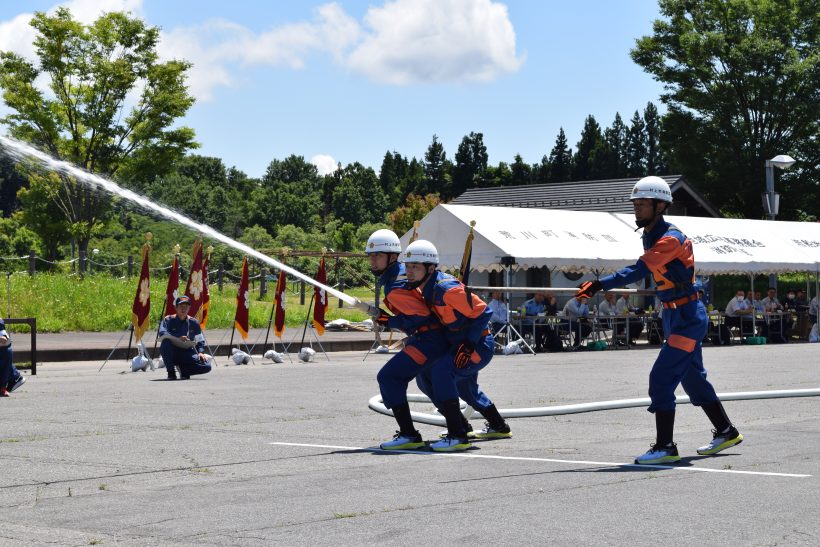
x: 320, y: 300
x: 243, y: 302
x: 142, y: 300
x: 195, y: 286
x: 279, y: 300
x: 202, y: 316
x: 172, y: 290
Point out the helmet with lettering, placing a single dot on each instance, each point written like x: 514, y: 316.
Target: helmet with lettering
x: 651, y: 188
x: 383, y: 241
x: 420, y: 251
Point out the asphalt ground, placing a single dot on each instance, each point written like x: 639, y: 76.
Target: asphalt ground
x: 284, y: 454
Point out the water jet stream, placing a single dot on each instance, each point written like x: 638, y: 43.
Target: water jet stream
x: 17, y: 150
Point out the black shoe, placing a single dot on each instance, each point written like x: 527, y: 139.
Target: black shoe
x: 172, y: 378
x: 185, y: 377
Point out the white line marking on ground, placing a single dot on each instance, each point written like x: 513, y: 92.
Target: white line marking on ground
x: 549, y: 460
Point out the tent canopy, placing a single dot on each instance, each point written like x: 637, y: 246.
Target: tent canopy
x: 585, y: 241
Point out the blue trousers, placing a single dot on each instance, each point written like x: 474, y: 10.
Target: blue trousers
x: 186, y: 359
x: 448, y: 382
x: 680, y: 361
x: 419, y: 353
x: 8, y: 372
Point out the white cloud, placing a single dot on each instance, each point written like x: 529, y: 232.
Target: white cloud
x: 405, y: 42
x: 17, y: 34
x: 324, y: 163
x: 432, y: 41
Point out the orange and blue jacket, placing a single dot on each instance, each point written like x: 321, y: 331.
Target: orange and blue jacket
x: 463, y: 314
x: 668, y: 257
x: 410, y: 311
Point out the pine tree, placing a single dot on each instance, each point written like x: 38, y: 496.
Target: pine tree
x: 636, y: 147
x: 541, y: 171
x: 470, y: 169
x: 521, y: 172
x: 435, y: 168
x: 615, y: 137
x: 560, y: 160
x: 652, y: 128
x: 590, y: 137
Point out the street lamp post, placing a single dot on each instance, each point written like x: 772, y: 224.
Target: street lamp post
x: 771, y: 200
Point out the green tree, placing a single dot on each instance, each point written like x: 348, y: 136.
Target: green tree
x: 636, y: 147
x: 581, y: 161
x: 615, y: 137
x: 436, y: 168
x: 414, y: 179
x: 10, y: 183
x: 470, y: 168
x: 358, y: 197
x: 289, y: 193
x: 560, y: 160
x: 521, y: 172
x: 86, y: 119
x: 652, y: 130
x: 743, y: 85
x: 392, y: 172
x: 415, y: 208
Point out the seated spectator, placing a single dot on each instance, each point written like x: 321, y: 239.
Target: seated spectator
x: 499, y: 309
x: 738, y: 309
x: 607, y: 307
x: 757, y: 303
x: 10, y: 377
x: 530, y: 309
x: 790, y: 307
x: 576, y: 311
x: 190, y: 361
x: 800, y: 299
x: 551, y: 306
x: 814, y: 307
x: 622, y: 309
x: 775, y: 327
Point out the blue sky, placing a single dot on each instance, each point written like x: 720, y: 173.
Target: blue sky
x: 349, y: 80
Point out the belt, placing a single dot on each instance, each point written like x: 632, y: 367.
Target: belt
x: 680, y: 301
x: 425, y: 328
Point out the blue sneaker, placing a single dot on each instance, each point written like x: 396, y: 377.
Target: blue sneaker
x: 450, y: 444
x: 403, y: 442
x: 15, y: 385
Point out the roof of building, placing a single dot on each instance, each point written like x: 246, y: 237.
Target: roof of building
x: 611, y: 195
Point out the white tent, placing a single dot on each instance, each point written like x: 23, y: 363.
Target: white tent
x: 585, y: 241
x: 567, y: 240
x: 742, y: 246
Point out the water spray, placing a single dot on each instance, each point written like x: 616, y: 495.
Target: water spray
x: 17, y: 151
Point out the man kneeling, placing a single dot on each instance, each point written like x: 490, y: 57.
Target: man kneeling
x: 183, y: 343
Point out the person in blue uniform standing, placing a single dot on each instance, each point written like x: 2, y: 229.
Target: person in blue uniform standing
x: 425, y: 342
x: 668, y: 257
x: 10, y: 377
x: 190, y: 361
x: 465, y: 318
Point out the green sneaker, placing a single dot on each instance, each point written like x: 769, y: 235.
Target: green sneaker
x: 721, y: 441
x: 659, y: 454
x: 403, y: 442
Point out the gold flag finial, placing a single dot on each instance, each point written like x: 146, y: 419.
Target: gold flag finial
x: 176, y: 249
x: 149, y: 236
x: 210, y: 249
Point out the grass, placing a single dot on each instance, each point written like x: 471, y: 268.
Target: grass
x: 100, y: 303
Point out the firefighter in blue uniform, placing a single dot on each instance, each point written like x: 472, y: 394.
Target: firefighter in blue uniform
x: 191, y: 361
x: 668, y: 257
x: 425, y: 342
x: 465, y: 318
x: 10, y: 377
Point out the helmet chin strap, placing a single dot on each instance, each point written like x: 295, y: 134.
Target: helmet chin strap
x: 423, y: 280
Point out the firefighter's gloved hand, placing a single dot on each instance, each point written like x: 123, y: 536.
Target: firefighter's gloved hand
x: 587, y: 289
x: 381, y: 318
x: 464, y: 354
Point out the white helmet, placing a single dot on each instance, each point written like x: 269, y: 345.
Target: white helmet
x: 383, y: 241
x: 652, y: 188
x: 420, y: 252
